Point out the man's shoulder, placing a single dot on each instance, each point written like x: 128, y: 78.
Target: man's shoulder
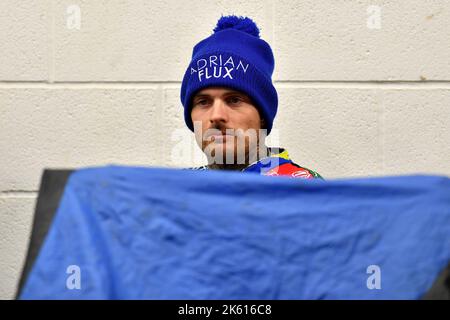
x: 314, y: 174
x: 295, y: 171
x: 290, y: 168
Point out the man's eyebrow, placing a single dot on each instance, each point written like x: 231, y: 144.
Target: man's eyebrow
x: 201, y: 95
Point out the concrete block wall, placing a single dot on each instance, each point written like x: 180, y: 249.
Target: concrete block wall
x: 364, y: 90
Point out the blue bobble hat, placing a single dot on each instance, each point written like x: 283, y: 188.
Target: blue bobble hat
x: 233, y: 56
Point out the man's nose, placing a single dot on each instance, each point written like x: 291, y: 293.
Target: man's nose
x: 219, y: 111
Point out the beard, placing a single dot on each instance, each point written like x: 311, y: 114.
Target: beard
x: 235, y: 151
x: 228, y: 154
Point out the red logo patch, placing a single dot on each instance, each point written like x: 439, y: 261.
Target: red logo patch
x: 302, y: 174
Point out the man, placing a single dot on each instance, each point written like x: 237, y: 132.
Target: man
x: 230, y: 102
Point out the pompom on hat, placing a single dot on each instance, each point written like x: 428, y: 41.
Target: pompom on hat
x: 234, y: 56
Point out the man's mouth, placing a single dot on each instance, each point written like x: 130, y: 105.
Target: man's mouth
x: 220, y: 138
x: 218, y: 135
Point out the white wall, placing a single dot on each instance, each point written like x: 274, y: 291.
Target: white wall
x: 355, y: 99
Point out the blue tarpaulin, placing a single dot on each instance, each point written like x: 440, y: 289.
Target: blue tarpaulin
x: 155, y: 233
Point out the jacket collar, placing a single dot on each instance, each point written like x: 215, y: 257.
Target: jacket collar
x: 277, y: 156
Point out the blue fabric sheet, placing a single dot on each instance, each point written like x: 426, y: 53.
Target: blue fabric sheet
x: 154, y: 233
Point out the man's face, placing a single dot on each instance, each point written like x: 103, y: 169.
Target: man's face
x: 217, y: 114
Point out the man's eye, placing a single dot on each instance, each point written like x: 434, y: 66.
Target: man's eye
x: 202, y: 102
x: 234, y: 100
